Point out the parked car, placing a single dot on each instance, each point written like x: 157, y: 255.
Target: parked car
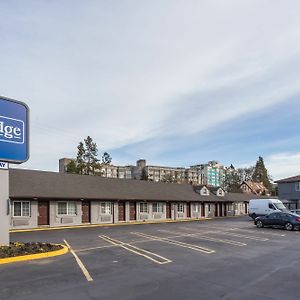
x: 262, y: 207
x: 279, y: 219
x: 295, y: 211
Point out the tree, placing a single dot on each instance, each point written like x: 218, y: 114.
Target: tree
x: 72, y: 167
x: 235, y: 177
x: 144, y: 175
x: 90, y: 156
x: 168, y: 178
x: 106, y: 158
x: 260, y: 174
x: 80, y: 162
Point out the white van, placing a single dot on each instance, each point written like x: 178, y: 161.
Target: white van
x: 262, y: 207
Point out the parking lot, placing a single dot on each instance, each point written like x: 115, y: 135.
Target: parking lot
x: 213, y: 259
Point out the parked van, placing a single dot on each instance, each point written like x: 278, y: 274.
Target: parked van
x: 262, y: 207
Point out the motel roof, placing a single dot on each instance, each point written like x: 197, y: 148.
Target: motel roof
x: 31, y: 184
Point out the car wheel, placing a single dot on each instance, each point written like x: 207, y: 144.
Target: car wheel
x: 289, y: 226
x: 259, y: 224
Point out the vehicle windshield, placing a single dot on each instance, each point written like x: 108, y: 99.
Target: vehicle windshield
x: 280, y: 206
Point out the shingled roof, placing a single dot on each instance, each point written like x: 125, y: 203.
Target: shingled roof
x: 52, y: 185
x: 289, y: 179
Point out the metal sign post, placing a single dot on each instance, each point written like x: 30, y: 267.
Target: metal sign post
x: 14, y: 148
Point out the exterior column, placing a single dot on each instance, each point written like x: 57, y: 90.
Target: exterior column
x: 4, y: 208
x: 115, y: 212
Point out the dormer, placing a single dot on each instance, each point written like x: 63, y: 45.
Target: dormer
x: 218, y: 191
x: 202, y: 190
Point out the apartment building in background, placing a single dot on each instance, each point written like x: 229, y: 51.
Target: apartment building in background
x: 210, y: 174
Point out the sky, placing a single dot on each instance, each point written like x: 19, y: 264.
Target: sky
x: 177, y: 83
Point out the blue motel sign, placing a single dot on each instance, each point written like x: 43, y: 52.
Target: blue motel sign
x: 14, y: 131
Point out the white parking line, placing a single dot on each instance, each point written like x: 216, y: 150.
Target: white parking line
x: 80, y: 263
x: 142, y: 252
x: 257, y: 231
x: 173, y: 242
x: 224, y: 232
x: 196, y: 235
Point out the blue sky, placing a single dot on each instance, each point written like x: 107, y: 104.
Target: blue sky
x: 175, y: 82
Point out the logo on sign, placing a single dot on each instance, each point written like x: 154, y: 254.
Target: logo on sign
x: 11, y: 130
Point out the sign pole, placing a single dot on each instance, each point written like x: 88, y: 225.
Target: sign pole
x: 4, y: 207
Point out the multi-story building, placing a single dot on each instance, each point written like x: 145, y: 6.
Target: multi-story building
x: 211, y: 174
x: 106, y: 170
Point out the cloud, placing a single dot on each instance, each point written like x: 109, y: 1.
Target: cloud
x: 144, y: 72
x: 282, y: 165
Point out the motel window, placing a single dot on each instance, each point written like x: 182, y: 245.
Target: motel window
x: 21, y: 209
x: 180, y: 207
x: 195, y: 207
x: 106, y: 208
x: 158, y: 207
x: 209, y: 207
x: 67, y: 208
x: 297, y: 186
x: 143, y: 207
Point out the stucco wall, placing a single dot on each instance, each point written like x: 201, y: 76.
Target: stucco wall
x: 25, y: 222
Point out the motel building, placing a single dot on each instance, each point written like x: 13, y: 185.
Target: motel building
x: 50, y: 199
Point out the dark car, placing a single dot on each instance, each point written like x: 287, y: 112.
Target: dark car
x: 279, y: 219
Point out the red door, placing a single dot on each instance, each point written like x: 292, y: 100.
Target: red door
x: 220, y: 209
x: 216, y: 209
x: 132, y: 210
x: 168, y: 210
x: 188, y: 210
x: 86, y: 211
x: 121, y: 209
x: 225, y: 209
x: 43, y: 209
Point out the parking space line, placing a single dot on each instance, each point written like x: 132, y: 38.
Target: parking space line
x: 250, y: 237
x: 256, y: 231
x: 80, y: 263
x: 173, y: 242
x: 142, y: 252
x: 196, y: 235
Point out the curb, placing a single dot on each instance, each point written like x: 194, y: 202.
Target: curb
x: 29, y: 257
x: 106, y: 225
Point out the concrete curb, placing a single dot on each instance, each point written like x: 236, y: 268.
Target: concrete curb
x: 106, y: 225
x: 29, y: 257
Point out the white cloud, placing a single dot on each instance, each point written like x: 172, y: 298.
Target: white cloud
x: 124, y: 73
x: 282, y: 165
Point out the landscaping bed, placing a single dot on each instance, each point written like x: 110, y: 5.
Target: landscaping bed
x: 20, y: 249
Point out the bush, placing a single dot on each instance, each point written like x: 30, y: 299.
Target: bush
x: 18, y: 249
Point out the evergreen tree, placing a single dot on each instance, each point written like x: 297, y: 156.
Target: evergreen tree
x: 72, y: 167
x: 90, y: 156
x: 260, y: 174
x: 144, y: 175
x: 80, y: 161
x: 106, y: 158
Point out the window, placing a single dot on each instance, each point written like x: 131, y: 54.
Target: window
x: 105, y: 208
x: 158, y: 207
x: 180, y: 207
x: 271, y: 206
x: 21, y: 209
x: 143, y: 207
x: 297, y: 186
x: 67, y: 208
x: 195, y: 207
x: 209, y: 207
